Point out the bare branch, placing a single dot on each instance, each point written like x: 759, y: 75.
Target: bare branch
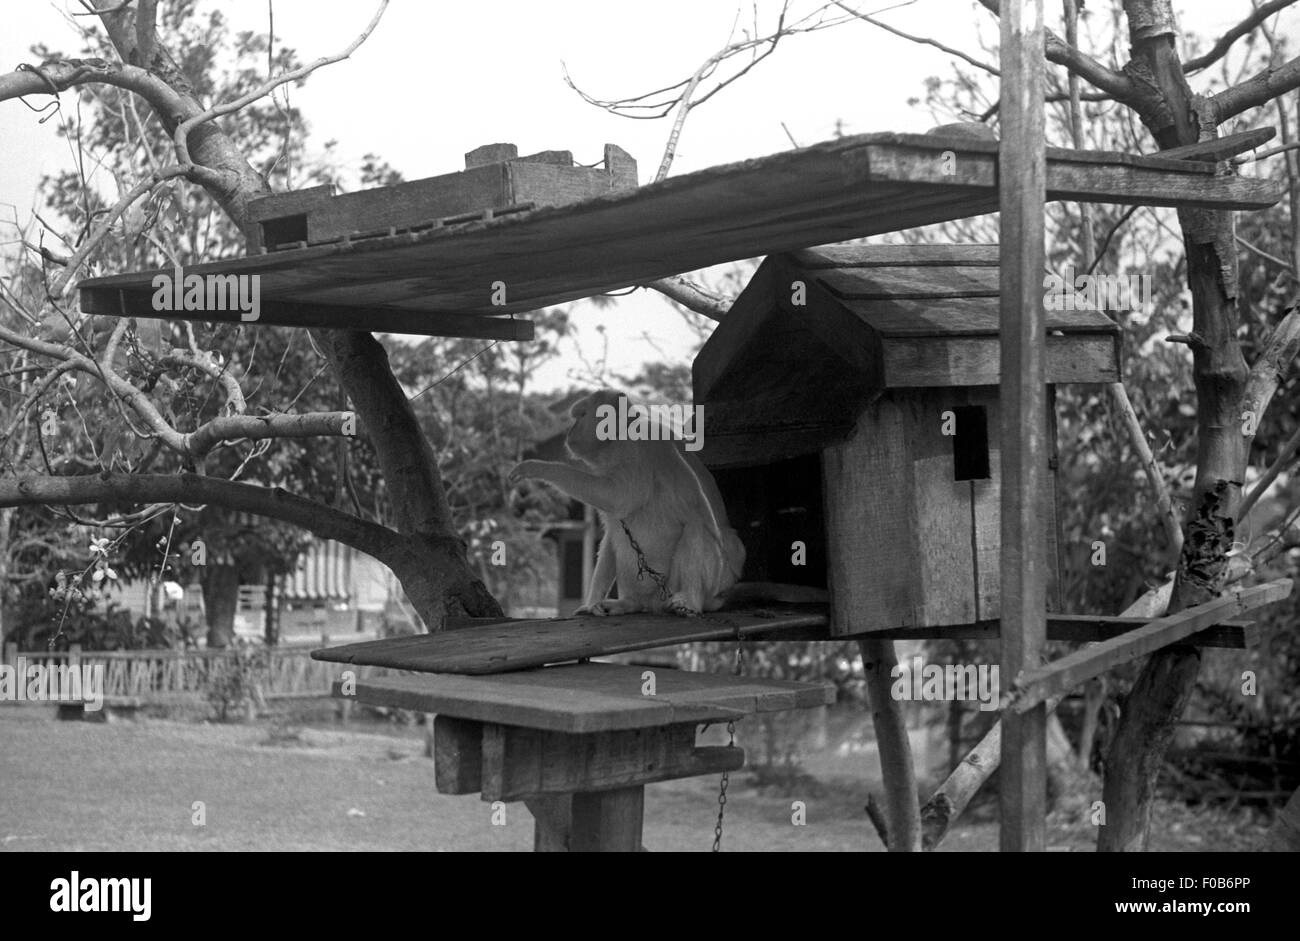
x: 692, y: 296
x: 1058, y: 51
x: 181, y: 135
x: 1224, y: 42
x: 1262, y: 87
x: 255, y: 427
x: 1137, y: 437
x: 326, y: 522
x: 923, y: 40
x: 1281, y: 262
x: 1284, y: 456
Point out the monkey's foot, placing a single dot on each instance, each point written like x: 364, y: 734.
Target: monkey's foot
x: 594, y: 611
x: 681, y: 609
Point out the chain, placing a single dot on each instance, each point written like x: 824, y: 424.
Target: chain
x: 642, y: 566
x: 736, y: 670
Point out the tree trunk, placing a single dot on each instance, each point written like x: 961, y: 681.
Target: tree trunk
x: 1174, y: 116
x: 221, y: 603
x: 902, y: 805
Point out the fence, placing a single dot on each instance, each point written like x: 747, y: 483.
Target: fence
x: 284, y: 672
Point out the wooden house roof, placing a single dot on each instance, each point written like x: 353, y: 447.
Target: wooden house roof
x: 818, y: 334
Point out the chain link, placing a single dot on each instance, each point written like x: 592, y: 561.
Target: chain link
x: 736, y: 670
x: 643, y: 567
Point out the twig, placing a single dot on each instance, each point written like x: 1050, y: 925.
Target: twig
x: 1137, y: 437
x: 180, y: 137
x: 1284, y: 456
x: 922, y: 40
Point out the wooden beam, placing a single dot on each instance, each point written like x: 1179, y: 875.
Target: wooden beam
x: 1023, y: 172
x: 1035, y: 686
x: 519, y: 763
x: 1078, y: 629
x: 1221, y: 148
x: 608, y: 821
x: 334, y: 316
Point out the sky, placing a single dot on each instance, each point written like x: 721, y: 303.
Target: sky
x: 436, y: 80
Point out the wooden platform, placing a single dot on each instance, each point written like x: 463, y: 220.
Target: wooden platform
x: 438, y: 278
x: 504, y: 646
x: 592, y: 697
x: 578, y: 744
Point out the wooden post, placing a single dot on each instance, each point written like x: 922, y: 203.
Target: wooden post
x: 607, y: 821
x: 1021, y: 192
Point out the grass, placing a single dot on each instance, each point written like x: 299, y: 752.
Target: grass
x: 133, y: 786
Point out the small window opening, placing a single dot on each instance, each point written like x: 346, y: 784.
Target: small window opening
x: 970, y: 445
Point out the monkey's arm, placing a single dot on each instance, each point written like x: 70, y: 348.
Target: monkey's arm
x: 592, y: 489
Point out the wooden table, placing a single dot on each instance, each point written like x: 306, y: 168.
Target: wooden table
x: 579, y: 742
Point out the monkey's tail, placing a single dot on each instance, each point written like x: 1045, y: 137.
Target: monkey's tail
x: 753, y: 592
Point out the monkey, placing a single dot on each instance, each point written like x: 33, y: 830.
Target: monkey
x: 667, y: 542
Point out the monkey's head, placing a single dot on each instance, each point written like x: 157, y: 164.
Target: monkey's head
x: 590, y: 438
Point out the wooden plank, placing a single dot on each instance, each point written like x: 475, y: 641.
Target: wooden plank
x: 951, y: 281
x: 944, y: 536
x: 920, y: 362
x: 1036, y: 686
x: 608, y: 821
x: 912, y: 256
x: 457, y: 755
x: 1071, y: 628
x: 590, y: 697
x: 870, y: 524
x: 968, y: 316
x: 519, y: 645
x: 1022, y: 776
x: 287, y: 314
x: 1221, y: 148
x: 815, y: 195
x: 552, y: 822
x: 523, y: 763
x: 295, y: 202
x: 488, y: 154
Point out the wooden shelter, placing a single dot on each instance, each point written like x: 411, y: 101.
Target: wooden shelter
x: 851, y: 402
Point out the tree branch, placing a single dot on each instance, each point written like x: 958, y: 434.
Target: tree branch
x: 692, y: 296
x: 1137, y: 437
x: 1262, y: 87
x: 1224, y: 43
x: 181, y: 135
x: 326, y: 522
x: 924, y: 40
x: 257, y: 427
x: 1116, y: 84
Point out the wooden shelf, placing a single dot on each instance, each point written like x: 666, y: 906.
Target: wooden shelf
x: 438, y: 278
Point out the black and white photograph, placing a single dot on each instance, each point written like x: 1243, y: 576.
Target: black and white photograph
x: 779, y: 426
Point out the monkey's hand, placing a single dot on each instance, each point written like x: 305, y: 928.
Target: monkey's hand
x: 526, y: 470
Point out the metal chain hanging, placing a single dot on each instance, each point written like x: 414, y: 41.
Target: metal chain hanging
x: 731, y: 732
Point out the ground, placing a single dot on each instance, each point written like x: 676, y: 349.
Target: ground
x: 132, y: 785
